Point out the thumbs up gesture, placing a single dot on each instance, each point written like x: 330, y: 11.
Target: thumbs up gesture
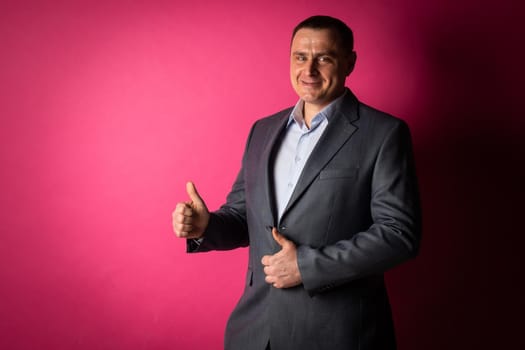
x: 190, y: 218
x: 281, y: 269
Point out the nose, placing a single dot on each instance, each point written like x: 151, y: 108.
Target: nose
x: 311, y: 67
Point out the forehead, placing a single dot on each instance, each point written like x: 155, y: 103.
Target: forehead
x: 309, y: 39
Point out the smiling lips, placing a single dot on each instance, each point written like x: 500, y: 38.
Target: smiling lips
x: 310, y: 83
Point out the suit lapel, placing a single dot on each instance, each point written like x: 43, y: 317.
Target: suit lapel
x: 337, y: 133
x: 272, y: 138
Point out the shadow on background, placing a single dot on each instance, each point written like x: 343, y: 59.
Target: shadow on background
x: 466, y: 281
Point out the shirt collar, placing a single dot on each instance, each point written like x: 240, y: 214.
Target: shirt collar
x: 327, y: 112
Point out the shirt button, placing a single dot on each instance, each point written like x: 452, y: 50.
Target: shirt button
x: 290, y: 185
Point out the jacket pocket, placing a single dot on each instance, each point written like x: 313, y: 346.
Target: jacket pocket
x: 338, y: 173
x: 249, y: 277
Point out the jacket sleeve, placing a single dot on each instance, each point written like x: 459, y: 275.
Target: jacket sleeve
x: 395, y: 232
x: 227, y: 228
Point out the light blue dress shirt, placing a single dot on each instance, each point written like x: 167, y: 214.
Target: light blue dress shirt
x: 296, y: 146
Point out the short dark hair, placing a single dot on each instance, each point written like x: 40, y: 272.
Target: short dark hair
x: 345, y: 34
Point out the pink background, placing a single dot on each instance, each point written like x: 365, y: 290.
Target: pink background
x: 107, y: 109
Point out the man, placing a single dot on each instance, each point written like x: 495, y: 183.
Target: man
x: 327, y: 201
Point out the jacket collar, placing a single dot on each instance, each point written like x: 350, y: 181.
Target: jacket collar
x: 339, y: 130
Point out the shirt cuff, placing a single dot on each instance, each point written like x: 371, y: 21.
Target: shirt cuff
x: 194, y: 244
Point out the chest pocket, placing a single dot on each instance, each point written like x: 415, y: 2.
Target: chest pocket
x: 343, y: 173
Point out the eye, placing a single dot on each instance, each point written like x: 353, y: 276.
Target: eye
x: 324, y: 59
x: 300, y: 58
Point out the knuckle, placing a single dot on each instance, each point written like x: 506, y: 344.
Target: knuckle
x: 181, y: 219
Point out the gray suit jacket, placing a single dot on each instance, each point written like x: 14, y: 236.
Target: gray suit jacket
x: 354, y: 214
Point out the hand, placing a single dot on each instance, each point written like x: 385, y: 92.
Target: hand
x: 190, y: 219
x: 281, y: 269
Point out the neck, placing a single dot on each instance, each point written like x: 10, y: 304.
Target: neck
x: 310, y: 111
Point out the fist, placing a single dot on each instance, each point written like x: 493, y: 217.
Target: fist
x: 190, y: 218
x: 281, y: 269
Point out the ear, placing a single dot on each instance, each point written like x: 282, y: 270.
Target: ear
x: 350, y: 63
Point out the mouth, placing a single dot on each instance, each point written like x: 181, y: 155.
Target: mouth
x: 313, y: 83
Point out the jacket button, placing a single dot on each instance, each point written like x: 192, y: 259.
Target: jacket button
x: 282, y: 228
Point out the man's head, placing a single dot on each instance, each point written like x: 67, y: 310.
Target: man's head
x: 322, y: 57
x: 336, y: 26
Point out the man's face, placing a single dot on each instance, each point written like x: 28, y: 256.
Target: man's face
x: 319, y: 66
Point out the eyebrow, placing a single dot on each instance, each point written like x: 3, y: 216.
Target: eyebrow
x: 322, y: 53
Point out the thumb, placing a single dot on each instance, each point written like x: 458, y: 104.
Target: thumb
x: 196, y: 199
x: 279, y: 238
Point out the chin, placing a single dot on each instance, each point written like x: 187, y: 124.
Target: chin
x: 309, y: 95
x: 310, y: 98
